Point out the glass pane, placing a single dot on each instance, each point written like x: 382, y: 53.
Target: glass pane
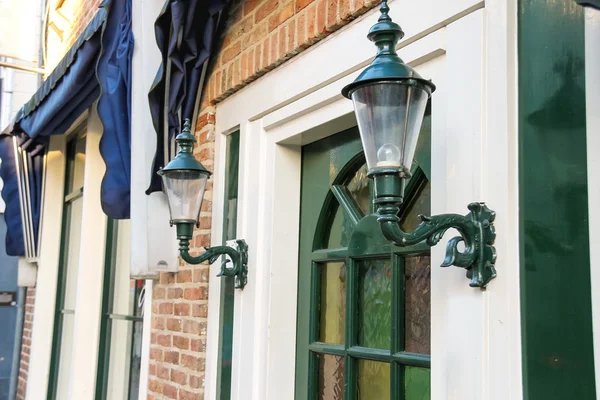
x: 373, y: 380
x: 421, y: 205
x: 331, y: 377
x: 125, y: 359
x: 185, y: 190
x: 66, y: 350
x: 389, y: 118
x: 417, y: 315
x: 76, y: 164
x: 73, y: 240
x: 359, y: 187
x: 341, y: 229
x: 123, y: 287
x: 375, y: 303
x: 333, y: 303
x: 417, y: 383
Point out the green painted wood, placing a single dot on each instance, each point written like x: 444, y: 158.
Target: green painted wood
x: 558, y: 360
x: 327, y: 167
x: 227, y: 294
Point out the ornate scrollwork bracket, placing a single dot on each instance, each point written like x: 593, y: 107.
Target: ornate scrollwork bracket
x: 476, y: 230
x: 236, y: 252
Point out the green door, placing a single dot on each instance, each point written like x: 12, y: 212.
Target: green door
x: 363, y: 305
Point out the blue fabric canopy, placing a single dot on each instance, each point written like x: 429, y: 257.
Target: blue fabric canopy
x: 186, y: 32
x: 98, y: 66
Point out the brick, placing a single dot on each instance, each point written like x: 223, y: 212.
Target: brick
x: 158, y: 293
x: 193, y: 363
x: 196, y: 381
x: 282, y: 42
x: 266, y: 8
x: 231, y: 52
x: 311, y: 22
x: 165, y: 308
x: 201, y: 274
x: 174, y: 324
x: 198, y: 345
x: 321, y: 18
x: 182, y: 309
x: 301, y: 33
x: 169, y: 391
x: 250, y: 5
x: 291, y: 37
x: 181, y: 342
x: 156, y: 354
x: 172, y: 357
x: 195, y: 327
x: 184, y: 275
x: 174, y: 293
x: 345, y: 13
x: 282, y: 15
x: 179, y: 377
x: 164, y: 340
x: 301, y: 4
x: 155, y: 386
x: 167, y: 277
x: 256, y: 35
x: 152, y: 369
x: 332, y: 14
x: 195, y: 293
x: 162, y: 372
x: 185, y: 395
x: 200, y: 310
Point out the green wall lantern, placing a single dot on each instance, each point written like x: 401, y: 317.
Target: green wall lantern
x: 389, y: 102
x: 184, y: 181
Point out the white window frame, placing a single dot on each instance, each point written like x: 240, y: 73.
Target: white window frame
x: 469, y: 49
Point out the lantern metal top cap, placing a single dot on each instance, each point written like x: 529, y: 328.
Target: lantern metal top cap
x: 387, y: 65
x: 184, y: 160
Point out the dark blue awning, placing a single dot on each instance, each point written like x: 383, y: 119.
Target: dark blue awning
x: 185, y: 33
x: 98, y: 66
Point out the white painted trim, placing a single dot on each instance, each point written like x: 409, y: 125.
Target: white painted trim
x: 147, y: 331
x: 592, y: 89
x: 151, y: 236
x: 45, y: 296
x: 471, y: 55
x: 91, y: 266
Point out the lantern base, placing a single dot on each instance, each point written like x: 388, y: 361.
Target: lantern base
x: 237, y: 254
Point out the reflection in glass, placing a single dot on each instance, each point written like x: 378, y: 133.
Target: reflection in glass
x: 417, y: 314
x: 341, y: 229
x: 360, y: 188
x: 331, y: 377
x: 409, y: 219
x: 66, y: 351
x: 417, y: 383
x: 373, y: 380
x: 375, y: 303
x: 333, y: 303
x: 125, y: 359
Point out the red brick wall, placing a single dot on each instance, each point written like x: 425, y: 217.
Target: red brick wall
x: 262, y: 35
x: 26, y: 344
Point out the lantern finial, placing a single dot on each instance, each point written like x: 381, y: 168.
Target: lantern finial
x: 384, y: 12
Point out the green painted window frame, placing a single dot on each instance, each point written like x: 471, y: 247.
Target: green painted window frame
x: 227, y: 295
x: 107, y: 317
x: 352, y: 352
x: 70, y: 195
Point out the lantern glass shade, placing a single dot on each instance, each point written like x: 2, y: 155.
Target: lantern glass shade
x: 185, y: 191
x: 389, y: 116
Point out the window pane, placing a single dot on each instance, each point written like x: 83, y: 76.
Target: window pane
x: 333, y: 302
x: 417, y: 315
x: 421, y: 205
x: 66, y: 350
x: 359, y: 187
x: 417, y: 383
x: 373, y: 380
x: 331, y: 377
x: 341, y: 229
x: 76, y: 164
x: 375, y: 303
x: 125, y: 359
x: 123, y: 287
x: 73, y: 241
